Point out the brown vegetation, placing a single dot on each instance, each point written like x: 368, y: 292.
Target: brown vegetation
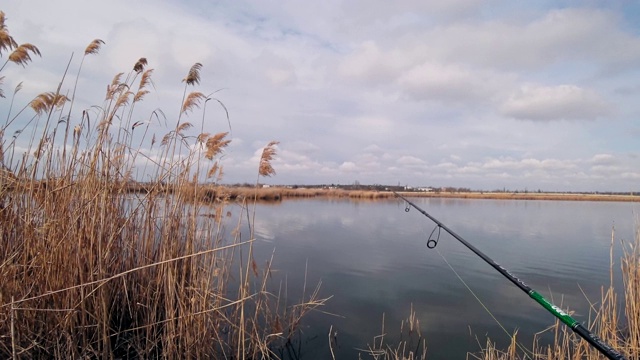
x: 90, y: 268
x: 281, y: 193
x: 93, y: 265
x: 616, y: 326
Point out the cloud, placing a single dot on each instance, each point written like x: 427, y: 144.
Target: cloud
x: 373, y: 148
x: 529, y: 164
x: 546, y: 103
x: 450, y: 83
x: 348, y: 166
x: 603, y: 159
x: 277, y: 69
x: 370, y: 64
x: 376, y: 91
x: 560, y: 35
x: 631, y: 175
x: 410, y: 161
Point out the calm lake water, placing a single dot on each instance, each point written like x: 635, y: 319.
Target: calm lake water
x: 371, y: 256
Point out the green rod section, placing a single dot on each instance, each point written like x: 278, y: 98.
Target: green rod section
x: 559, y: 313
x: 578, y: 328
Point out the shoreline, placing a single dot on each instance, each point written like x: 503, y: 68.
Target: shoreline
x: 282, y: 193
x: 212, y: 193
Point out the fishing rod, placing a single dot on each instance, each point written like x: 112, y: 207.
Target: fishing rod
x: 577, y: 327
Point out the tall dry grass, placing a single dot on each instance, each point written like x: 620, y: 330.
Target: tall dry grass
x: 617, y: 326
x: 89, y: 269
x: 410, y: 346
x: 280, y: 193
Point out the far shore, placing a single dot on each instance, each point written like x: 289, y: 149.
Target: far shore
x: 281, y: 193
x: 209, y: 192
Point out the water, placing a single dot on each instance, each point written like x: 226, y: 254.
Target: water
x: 372, y: 258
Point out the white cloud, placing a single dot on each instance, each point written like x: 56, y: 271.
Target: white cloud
x: 529, y: 164
x: 446, y: 166
x: 563, y: 102
x: 570, y: 34
x: 603, y: 159
x: 630, y: 175
x: 348, y: 166
x: 450, y: 83
x: 374, y: 91
x: 605, y: 169
x: 370, y: 64
x: 280, y: 76
x: 373, y: 148
x: 408, y: 160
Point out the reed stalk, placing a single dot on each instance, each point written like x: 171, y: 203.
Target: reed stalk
x: 91, y: 269
x: 619, y: 327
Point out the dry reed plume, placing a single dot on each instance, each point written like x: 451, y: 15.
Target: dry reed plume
x: 90, y: 269
x: 268, y: 154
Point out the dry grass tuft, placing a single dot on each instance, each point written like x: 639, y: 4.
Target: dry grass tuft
x: 21, y: 54
x: 140, y: 64
x: 6, y: 41
x: 268, y: 154
x: 114, y: 87
x: 94, y: 47
x: 45, y: 102
x: 123, y: 99
x: 140, y: 95
x: 193, y: 77
x: 184, y: 126
x: 215, y: 144
x: 92, y: 267
x: 192, y: 101
x: 411, y: 345
x: 145, y: 80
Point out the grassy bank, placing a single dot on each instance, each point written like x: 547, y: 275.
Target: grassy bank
x: 211, y: 193
x: 91, y: 269
x: 281, y: 193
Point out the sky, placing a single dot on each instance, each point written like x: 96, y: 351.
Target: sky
x: 486, y: 95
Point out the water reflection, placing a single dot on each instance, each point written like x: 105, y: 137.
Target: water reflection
x: 372, y: 257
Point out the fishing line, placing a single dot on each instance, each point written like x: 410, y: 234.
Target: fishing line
x: 524, y: 350
x: 562, y: 315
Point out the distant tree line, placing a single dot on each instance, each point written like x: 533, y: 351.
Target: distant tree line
x: 449, y: 189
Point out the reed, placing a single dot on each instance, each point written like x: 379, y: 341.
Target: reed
x: 281, y: 193
x: 91, y: 269
x: 619, y: 327
x: 410, y: 346
x: 277, y: 193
